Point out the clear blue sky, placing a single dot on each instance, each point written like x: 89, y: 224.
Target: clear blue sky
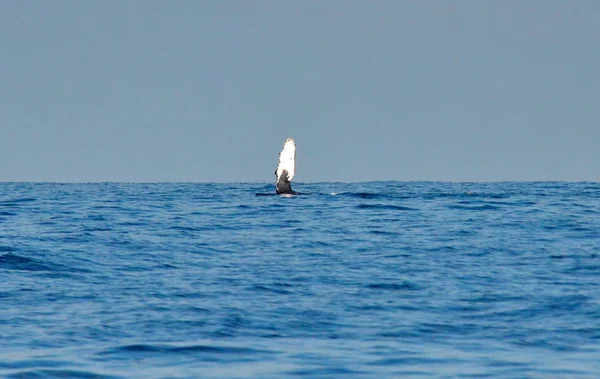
x: 371, y: 90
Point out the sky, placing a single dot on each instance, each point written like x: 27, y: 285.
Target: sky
x: 208, y: 91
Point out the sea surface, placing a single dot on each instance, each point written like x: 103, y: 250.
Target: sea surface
x: 348, y: 280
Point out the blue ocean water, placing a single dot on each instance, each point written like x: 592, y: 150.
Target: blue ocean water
x: 358, y: 280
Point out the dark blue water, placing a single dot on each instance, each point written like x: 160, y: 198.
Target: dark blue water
x: 365, y: 280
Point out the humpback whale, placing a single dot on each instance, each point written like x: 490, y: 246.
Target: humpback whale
x: 286, y: 169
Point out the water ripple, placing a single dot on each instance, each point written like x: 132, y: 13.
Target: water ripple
x: 364, y: 280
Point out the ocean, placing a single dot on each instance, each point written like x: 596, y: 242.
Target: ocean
x: 348, y: 280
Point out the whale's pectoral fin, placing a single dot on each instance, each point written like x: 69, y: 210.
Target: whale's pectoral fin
x: 287, y: 167
x: 283, y: 185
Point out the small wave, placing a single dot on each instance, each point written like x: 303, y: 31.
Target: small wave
x: 15, y: 262
x: 6, y: 249
x: 375, y: 195
x: 394, y: 286
x: 385, y: 206
x: 57, y: 373
x: 11, y: 261
x: 191, y: 229
x: 484, y: 207
x: 382, y: 232
x: 181, y: 349
x: 364, y: 195
x: 406, y: 361
x: 29, y: 363
x: 326, y: 372
x: 279, y: 288
x: 16, y: 202
x: 464, y: 195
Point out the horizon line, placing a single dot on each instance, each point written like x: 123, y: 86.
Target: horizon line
x: 298, y: 182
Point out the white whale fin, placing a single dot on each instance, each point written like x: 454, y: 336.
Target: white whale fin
x: 287, y: 167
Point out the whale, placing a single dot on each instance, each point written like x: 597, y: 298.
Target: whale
x: 284, y: 173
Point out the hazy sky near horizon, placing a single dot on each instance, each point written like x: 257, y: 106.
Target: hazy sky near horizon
x: 208, y: 91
